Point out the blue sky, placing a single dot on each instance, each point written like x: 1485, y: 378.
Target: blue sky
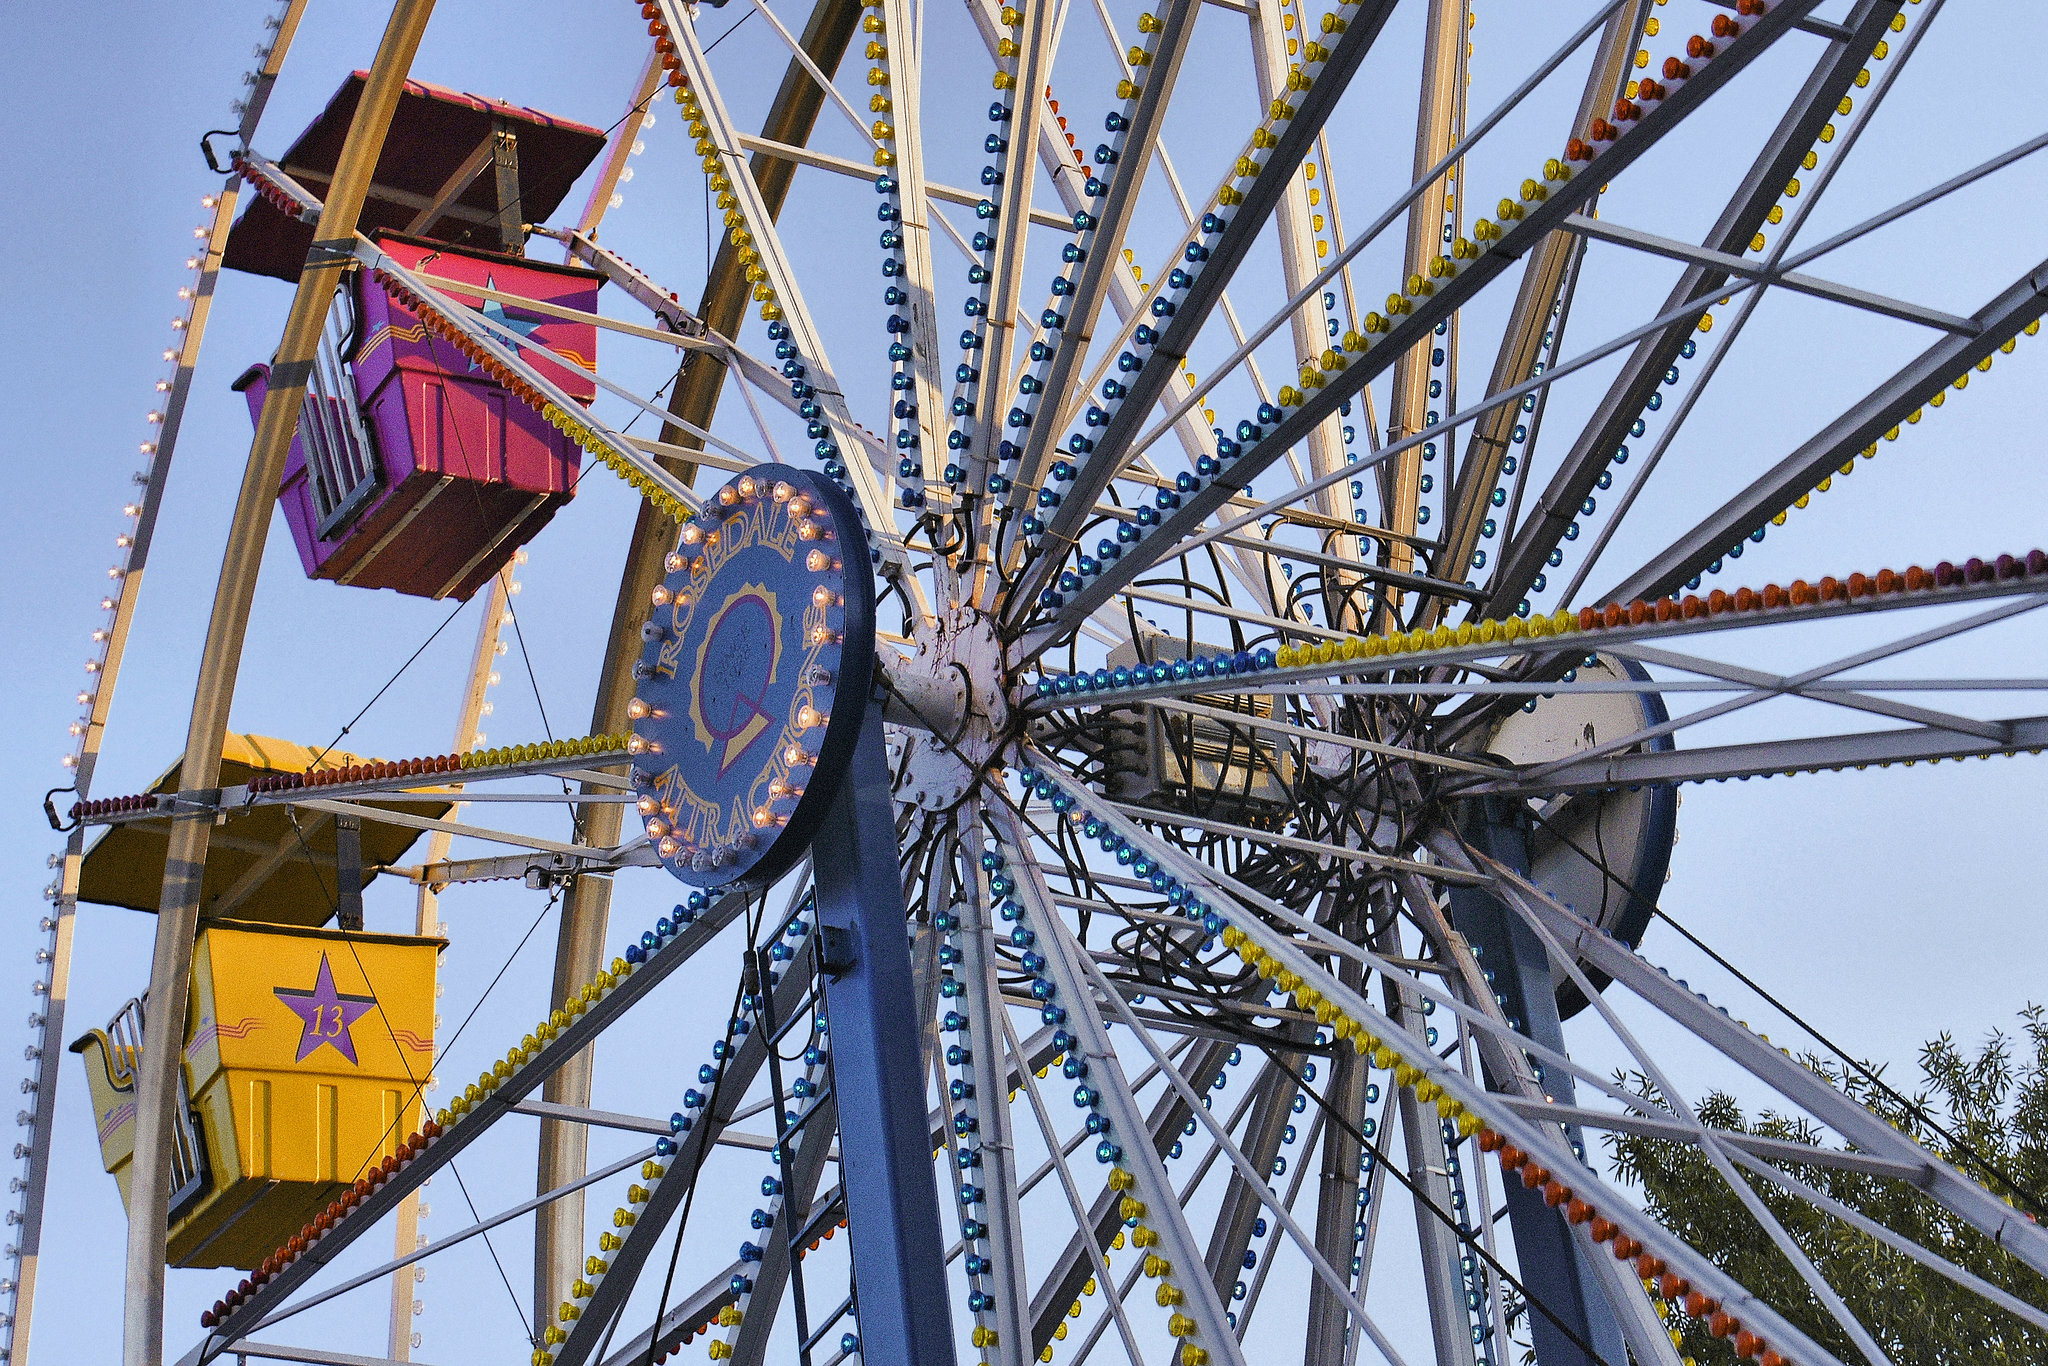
x: 1890, y: 907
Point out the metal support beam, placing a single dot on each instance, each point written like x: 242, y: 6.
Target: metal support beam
x: 1448, y: 296
x: 1113, y: 221
x: 1246, y: 222
x: 1400, y: 479
x: 1768, y: 758
x: 1550, y: 1261
x: 693, y: 400
x: 348, y: 871
x: 1422, y: 1143
x: 588, y: 1331
x: 1761, y: 187
x: 1882, y: 409
x: 220, y: 660
x: 1544, y: 285
x: 878, y: 1072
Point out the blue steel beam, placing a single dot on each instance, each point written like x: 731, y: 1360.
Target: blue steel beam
x: 892, y: 1198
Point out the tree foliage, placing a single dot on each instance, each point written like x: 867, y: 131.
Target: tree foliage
x: 1985, y: 1114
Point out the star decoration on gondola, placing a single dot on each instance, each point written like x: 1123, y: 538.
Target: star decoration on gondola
x: 327, y: 1013
x: 495, y: 314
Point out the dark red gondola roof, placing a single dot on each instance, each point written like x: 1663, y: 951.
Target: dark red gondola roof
x: 434, y: 131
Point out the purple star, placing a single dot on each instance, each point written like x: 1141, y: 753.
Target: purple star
x: 327, y: 1013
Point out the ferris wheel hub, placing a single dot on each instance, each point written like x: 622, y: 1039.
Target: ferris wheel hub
x: 954, y: 706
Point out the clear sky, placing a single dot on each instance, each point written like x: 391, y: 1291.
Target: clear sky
x: 1889, y: 907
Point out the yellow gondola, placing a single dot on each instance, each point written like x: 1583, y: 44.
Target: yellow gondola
x: 306, y: 1057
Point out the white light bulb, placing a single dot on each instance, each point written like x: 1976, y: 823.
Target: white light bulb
x: 615, y: 201
x: 625, y: 175
x: 639, y: 146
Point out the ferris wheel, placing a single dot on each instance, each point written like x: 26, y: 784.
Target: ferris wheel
x: 1172, y: 841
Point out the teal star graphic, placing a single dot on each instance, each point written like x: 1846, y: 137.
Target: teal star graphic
x: 494, y: 313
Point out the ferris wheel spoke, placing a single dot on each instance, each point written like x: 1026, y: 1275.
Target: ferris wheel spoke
x: 1429, y: 302
x: 1271, y: 1094
x: 1829, y: 753
x: 1244, y: 1168
x: 783, y: 296
x: 1831, y: 690
x: 1122, y: 285
x: 1708, y: 1145
x: 1133, y: 144
x: 1856, y: 430
x: 1529, y: 343
x: 695, y: 334
x: 825, y: 83
x: 1962, y: 1196
x: 1514, y: 1057
x: 1265, y: 173
x: 1394, y: 211
x: 1308, y: 980
x: 1739, y: 223
x: 588, y: 1328
x: 1180, y: 531
x: 1135, y: 1170
x: 1997, y: 731
x: 981, y: 1104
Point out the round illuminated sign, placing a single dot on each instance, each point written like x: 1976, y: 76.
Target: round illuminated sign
x: 755, y: 680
